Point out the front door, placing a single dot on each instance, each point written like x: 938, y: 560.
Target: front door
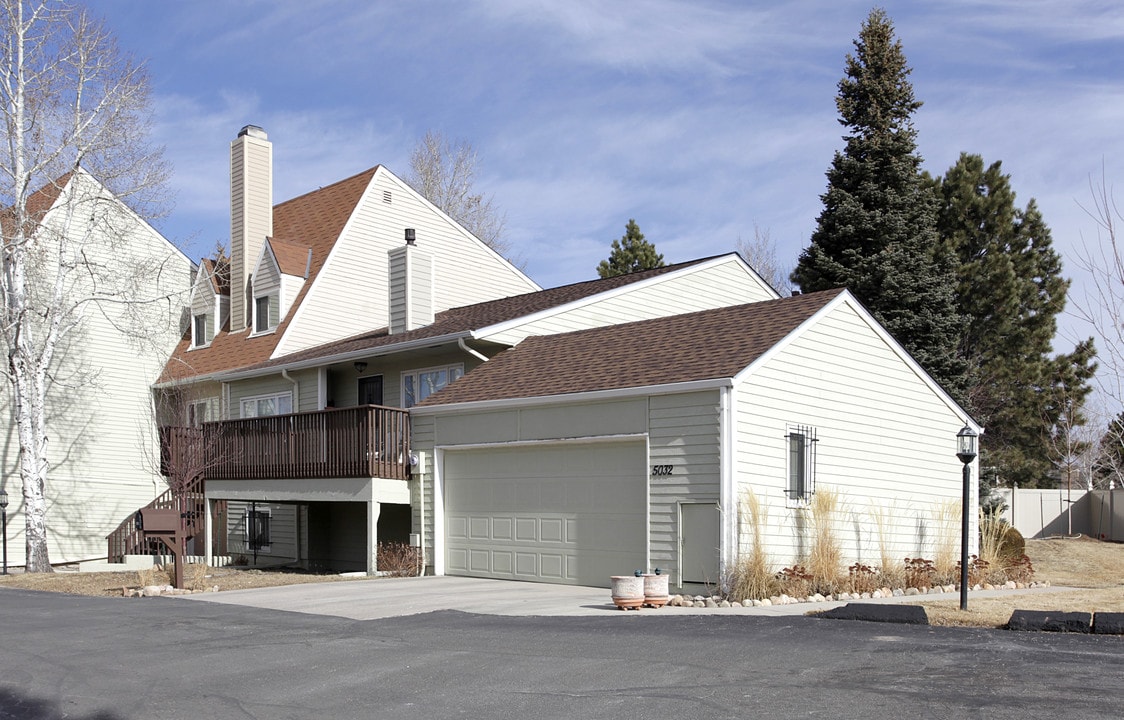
x: 370, y: 390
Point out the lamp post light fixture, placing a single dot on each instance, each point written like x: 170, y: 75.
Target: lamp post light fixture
x: 4, y: 523
x: 966, y: 451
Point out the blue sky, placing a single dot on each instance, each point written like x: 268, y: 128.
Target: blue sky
x: 701, y: 120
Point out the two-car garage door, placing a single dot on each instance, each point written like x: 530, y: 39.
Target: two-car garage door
x: 560, y: 513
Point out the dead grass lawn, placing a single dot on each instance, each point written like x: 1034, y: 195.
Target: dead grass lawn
x: 1094, y: 566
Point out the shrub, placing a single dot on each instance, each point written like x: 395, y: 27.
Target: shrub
x: 398, y: 559
x: 919, y: 573
x: 795, y: 581
x: 862, y: 578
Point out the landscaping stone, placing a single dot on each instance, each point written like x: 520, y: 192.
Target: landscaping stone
x: 710, y: 603
x: 912, y: 591
x: 898, y: 592
x: 878, y: 612
x: 865, y: 596
x: 1050, y: 621
x: 1108, y: 623
x: 767, y: 602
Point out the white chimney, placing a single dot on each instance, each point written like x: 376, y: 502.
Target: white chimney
x: 411, y: 286
x: 251, y: 215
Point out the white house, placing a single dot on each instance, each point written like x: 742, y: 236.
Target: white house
x: 128, y: 299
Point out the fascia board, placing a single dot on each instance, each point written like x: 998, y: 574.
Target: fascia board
x: 229, y: 376
x: 485, y: 332
x: 571, y: 398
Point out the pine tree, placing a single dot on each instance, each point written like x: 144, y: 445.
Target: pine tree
x: 1012, y: 290
x: 876, y: 234
x: 632, y: 253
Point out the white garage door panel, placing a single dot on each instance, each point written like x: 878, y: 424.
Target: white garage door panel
x: 572, y: 514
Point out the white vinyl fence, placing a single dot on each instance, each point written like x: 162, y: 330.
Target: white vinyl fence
x: 1047, y: 513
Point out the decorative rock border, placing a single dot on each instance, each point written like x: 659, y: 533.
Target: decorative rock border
x: 717, y: 601
x: 158, y: 590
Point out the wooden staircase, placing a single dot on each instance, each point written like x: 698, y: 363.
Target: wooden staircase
x: 127, y: 540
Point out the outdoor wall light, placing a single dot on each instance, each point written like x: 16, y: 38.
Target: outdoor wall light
x: 360, y: 367
x: 966, y: 451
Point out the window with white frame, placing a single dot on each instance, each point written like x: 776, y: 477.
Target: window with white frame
x: 199, y: 412
x: 267, y: 311
x: 264, y: 405
x: 420, y: 384
x: 200, y: 334
x: 801, y: 443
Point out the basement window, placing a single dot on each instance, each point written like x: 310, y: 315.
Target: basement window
x: 801, y: 461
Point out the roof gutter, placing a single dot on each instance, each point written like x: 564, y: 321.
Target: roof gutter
x: 480, y: 356
x: 341, y: 357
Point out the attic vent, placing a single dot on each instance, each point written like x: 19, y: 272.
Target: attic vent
x: 386, y: 196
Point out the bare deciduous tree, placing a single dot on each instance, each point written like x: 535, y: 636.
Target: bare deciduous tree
x: 73, y: 109
x: 1103, y: 303
x: 444, y: 173
x: 761, y: 254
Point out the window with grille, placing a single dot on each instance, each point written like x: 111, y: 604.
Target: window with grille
x: 257, y: 529
x: 801, y: 463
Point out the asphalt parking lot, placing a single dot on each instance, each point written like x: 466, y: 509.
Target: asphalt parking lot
x: 112, y: 659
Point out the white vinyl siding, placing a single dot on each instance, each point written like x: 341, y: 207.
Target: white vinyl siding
x: 103, y: 449
x: 684, y: 432
x: 721, y: 285
x: 283, y: 522
x: 353, y: 282
x: 884, y: 439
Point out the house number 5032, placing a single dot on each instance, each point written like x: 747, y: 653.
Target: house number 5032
x: 659, y: 470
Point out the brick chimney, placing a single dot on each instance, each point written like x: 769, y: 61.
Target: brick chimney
x: 251, y: 215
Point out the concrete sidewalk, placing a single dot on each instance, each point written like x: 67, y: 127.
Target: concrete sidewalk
x: 394, y: 597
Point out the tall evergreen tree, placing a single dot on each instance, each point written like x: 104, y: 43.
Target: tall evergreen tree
x: 1011, y: 289
x: 632, y: 253
x: 876, y: 235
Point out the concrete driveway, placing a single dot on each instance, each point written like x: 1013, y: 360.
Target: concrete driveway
x: 394, y: 597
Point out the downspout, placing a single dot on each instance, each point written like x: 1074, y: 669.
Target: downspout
x: 727, y: 484
x: 480, y: 356
x: 296, y: 390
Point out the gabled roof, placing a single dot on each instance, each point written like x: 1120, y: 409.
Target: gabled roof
x: 292, y: 258
x: 706, y: 345
x: 315, y: 221
x: 462, y: 321
x: 218, y: 272
x: 38, y: 202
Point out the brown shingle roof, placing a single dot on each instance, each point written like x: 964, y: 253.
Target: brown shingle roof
x: 710, y: 344
x: 37, y: 204
x: 474, y: 317
x: 218, y: 270
x: 292, y: 258
x: 314, y: 220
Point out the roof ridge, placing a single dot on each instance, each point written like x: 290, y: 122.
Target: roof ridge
x: 322, y: 188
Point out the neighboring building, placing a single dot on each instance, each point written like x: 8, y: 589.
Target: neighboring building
x: 365, y: 371
x: 103, y: 450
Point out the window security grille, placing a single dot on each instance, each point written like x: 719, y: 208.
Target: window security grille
x: 801, y: 462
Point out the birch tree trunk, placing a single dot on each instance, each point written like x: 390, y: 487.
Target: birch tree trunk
x: 71, y: 108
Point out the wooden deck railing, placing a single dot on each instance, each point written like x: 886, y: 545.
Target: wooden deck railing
x: 364, y: 441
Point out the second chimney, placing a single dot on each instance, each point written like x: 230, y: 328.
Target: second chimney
x: 410, y: 281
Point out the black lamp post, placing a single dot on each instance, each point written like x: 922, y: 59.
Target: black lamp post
x: 966, y: 451
x: 4, y: 518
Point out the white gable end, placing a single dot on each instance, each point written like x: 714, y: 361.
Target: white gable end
x: 350, y: 293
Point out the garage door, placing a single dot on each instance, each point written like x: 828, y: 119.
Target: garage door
x: 568, y: 513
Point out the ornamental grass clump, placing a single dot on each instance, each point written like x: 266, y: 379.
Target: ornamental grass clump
x: 753, y: 576
x: 946, y: 551
x: 890, y: 573
x: 825, y: 557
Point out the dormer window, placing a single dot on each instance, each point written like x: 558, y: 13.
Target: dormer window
x: 200, y: 330
x: 266, y: 313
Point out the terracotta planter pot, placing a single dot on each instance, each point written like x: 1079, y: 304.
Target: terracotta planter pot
x: 628, y: 591
x: 655, y: 590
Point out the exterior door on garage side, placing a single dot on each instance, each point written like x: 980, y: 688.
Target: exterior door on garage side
x: 562, y: 513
